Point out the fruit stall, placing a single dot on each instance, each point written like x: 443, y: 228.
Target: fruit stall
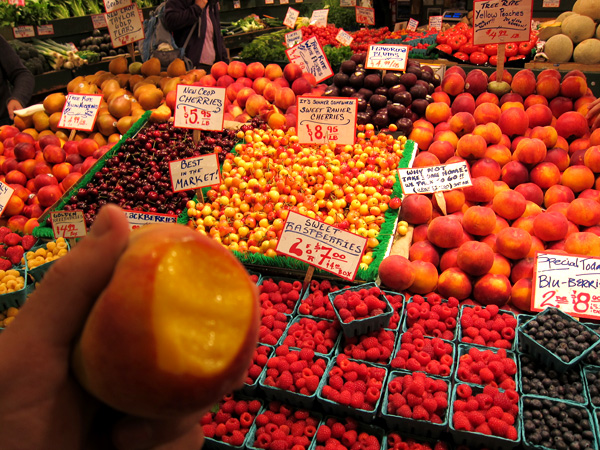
x: 423, y: 256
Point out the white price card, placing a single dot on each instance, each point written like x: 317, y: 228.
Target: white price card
x: 321, y: 245
x: 195, y: 172
x: 551, y: 4
x: 290, y: 17
x: 351, y: 3
x: 138, y: 219
x: 387, y: 57
x: 23, y: 31
x: 199, y: 107
x: 326, y: 119
x: 80, y: 112
x: 309, y: 55
x: 68, y: 224
x: 99, y: 21
x: 501, y: 21
x: 293, y: 38
x: 236, y: 4
x: 6, y: 193
x: 125, y: 26
x: 567, y: 282
x: 319, y: 17
x: 284, y: 2
x: 412, y: 24
x: 435, y: 22
x: 268, y: 2
x: 45, y: 30
x: 111, y: 5
x: 366, y: 16
x: 422, y: 180
x: 344, y: 38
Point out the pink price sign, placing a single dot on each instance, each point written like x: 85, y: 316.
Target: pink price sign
x: 322, y: 245
x: 80, y: 112
x: 326, y: 119
x: 309, y: 55
x: 501, y: 21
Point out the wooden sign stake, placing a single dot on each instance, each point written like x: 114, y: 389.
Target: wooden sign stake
x: 500, y: 64
x: 441, y: 201
x: 196, y: 136
x: 199, y: 194
x: 131, y: 48
x: 308, y: 277
x: 72, y: 134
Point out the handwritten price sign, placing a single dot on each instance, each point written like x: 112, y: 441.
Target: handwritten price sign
x: 366, y: 16
x: 435, y: 22
x: 292, y: 38
x: 567, y: 282
x: 45, y: 30
x: 112, y: 5
x: 125, y: 26
x: 501, y: 21
x: 309, y: 55
x: 319, y: 17
x: 348, y: 3
x: 387, y: 57
x: 194, y: 173
x: 326, y: 119
x: 344, y: 38
x: 68, y: 224
x: 80, y: 111
x: 290, y: 18
x: 199, y: 107
x: 423, y: 180
x: 23, y: 31
x: 99, y: 21
x: 321, y: 245
x: 138, y: 219
x: 412, y: 25
x: 6, y: 193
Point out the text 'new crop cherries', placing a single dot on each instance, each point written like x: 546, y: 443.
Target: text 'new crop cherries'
x: 432, y: 316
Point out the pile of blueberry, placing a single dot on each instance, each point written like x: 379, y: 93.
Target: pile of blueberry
x: 536, y: 380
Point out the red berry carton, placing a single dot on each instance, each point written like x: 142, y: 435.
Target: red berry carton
x: 321, y: 335
x: 17, y: 297
x: 361, y: 309
x: 272, y: 326
x: 398, y: 302
x: 262, y: 353
x: 488, y: 326
x: 280, y: 293
x: 348, y: 433
x: 432, y: 315
x: 416, y: 403
x: 376, y: 347
x: 315, y: 301
x: 487, y: 365
x: 405, y: 441
x: 418, y: 353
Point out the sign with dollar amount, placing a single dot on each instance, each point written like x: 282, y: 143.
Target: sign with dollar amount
x: 412, y: 24
x: 125, y: 26
x: 319, y: 17
x: 321, y: 245
x: 568, y: 282
x: 45, y: 30
x: 422, y: 180
x: 199, y: 107
x: 290, y: 19
x: 435, y: 22
x: 138, y: 219
x: 501, y: 21
x: 6, y: 193
x: 309, y: 55
x: 194, y: 173
x: 68, y: 224
x: 80, y: 112
x: 344, y: 38
x: 387, y: 57
x: 292, y: 38
x: 23, y: 31
x: 326, y: 119
x: 366, y: 16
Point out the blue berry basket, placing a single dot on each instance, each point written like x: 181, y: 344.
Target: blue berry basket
x: 389, y: 294
x: 585, y: 371
x: 249, y: 389
x: 405, y: 326
x: 362, y: 427
x: 454, y: 357
x: 297, y: 319
x: 258, y: 274
x: 473, y: 439
x: 341, y: 345
x: 463, y: 349
x: 337, y: 409
x: 545, y: 356
x: 513, y: 347
x: 368, y: 324
x: 521, y: 319
x: 416, y: 427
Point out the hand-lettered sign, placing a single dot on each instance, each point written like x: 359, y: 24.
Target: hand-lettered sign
x: 98, y: 21
x: 290, y: 18
x: 199, y: 107
x: 326, y: 119
x: 309, y: 55
x: 80, y: 112
x: 321, y: 245
x: 111, y: 5
x: 319, y: 17
x: 429, y: 179
x: 344, y: 38
x: 366, y: 16
x: 23, y: 31
x: 412, y: 24
x: 501, y: 21
x: 293, y: 38
x: 138, y: 219
x: 125, y: 26
x: 194, y: 173
x: 68, y: 224
x: 387, y: 57
x: 348, y: 3
x: 570, y: 283
x: 6, y: 193
x: 45, y: 30
x: 435, y: 22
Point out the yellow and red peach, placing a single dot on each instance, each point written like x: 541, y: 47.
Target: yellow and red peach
x: 453, y: 84
x: 442, y: 150
x: 475, y: 258
x: 396, y: 272
x: 492, y: 289
x: 546, y: 134
x: 425, y: 159
x: 471, y: 146
x: 550, y: 226
x: 523, y: 83
x: 479, y: 220
x: 501, y: 265
x: 539, y: 115
x: 448, y: 259
x: 463, y: 103
x: 462, y: 123
x: 454, y: 199
x: 426, y: 277
x: 531, y: 192
x: 583, y: 243
x: 437, y: 112
x: 445, y: 232
x: 425, y: 251
x: 571, y: 125
x: 520, y: 294
x: 573, y: 87
x: 558, y: 194
x: 499, y: 153
x: 530, y: 151
x: 420, y: 233
x: 416, y: 209
x: 524, y: 223
x: 545, y: 175
x: 453, y: 282
x: 514, y: 173
x: 487, y: 112
x: 584, y: 212
x: 486, y: 167
x: 549, y: 87
x: 535, y: 100
x: 514, y: 243
x: 481, y: 190
x: 513, y: 122
x: 578, y: 178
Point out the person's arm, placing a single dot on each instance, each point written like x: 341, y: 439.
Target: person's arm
x: 181, y: 14
x: 593, y: 114
x: 19, y: 76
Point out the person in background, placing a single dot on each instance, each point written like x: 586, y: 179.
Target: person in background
x: 206, y: 45
x: 593, y: 114
x: 16, y: 83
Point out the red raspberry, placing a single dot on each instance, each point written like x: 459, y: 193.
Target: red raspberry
x: 476, y: 418
x: 323, y: 434
x: 461, y: 422
x: 498, y: 426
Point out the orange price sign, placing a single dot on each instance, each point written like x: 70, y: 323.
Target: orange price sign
x: 68, y: 224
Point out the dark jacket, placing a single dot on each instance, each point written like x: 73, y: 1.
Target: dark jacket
x: 16, y: 82
x: 180, y: 17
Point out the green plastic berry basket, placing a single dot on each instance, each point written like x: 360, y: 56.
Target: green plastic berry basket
x: 413, y: 426
x: 305, y: 295
x: 366, y: 325
x: 389, y: 294
x: 453, y: 354
x: 293, y: 398
x: 472, y: 439
x: 545, y: 356
x: 406, y: 327
x: 586, y: 384
x: 258, y: 274
x: 513, y: 346
x: 372, y: 430
x: 37, y: 273
x: 250, y: 389
x: 419, y: 440
x: 595, y: 412
x: 297, y: 319
x: 530, y: 445
x: 340, y: 349
x: 337, y: 409
x: 276, y: 280
x: 16, y: 299
x: 463, y: 349
x: 521, y: 319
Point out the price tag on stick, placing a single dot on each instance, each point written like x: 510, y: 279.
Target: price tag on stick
x: 321, y: 245
x: 319, y: 17
x: 138, y: 219
x: 412, y: 25
x: 344, y: 38
x: 80, y: 112
x: 387, y: 57
x: 501, y: 22
x: 290, y: 18
x: 68, y: 224
x: 567, y: 282
x: 199, y: 107
x: 326, y: 119
x: 309, y: 55
x: 435, y: 23
x: 421, y: 180
x: 292, y: 38
x: 194, y: 173
x: 366, y: 16
x: 125, y: 26
x: 6, y: 193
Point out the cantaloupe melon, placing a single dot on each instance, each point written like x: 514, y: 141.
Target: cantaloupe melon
x: 559, y: 48
x: 598, y: 32
x: 590, y: 8
x: 578, y: 28
x: 564, y: 15
x: 549, y: 29
x: 587, y: 52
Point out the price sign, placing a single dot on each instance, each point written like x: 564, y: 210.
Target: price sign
x: 45, y: 30
x: 24, y: 31
x: 138, y: 219
x: 326, y: 119
x: 199, y: 107
x: 319, y: 17
x: 501, y: 21
x: 309, y: 55
x: 125, y: 26
x: 412, y: 25
x: 6, y: 193
x: 284, y: 2
x: 99, y: 21
x: 351, y: 3
x: 112, y: 5
x: 435, y: 22
x: 344, y: 38
x: 321, y: 245
x: 551, y: 4
x: 194, y: 173
x: 423, y: 180
x: 290, y: 18
x: 236, y: 4
x: 68, y: 224
x: 293, y: 38
x: 366, y: 16
x: 387, y: 57
x: 567, y: 282
x: 80, y: 111
x: 268, y: 2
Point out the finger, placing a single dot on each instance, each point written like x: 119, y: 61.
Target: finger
x: 593, y: 110
x: 56, y: 311
x: 596, y: 123
x: 145, y: 434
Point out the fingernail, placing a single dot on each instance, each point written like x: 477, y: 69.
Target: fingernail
x: 133, y: 436
x: 103, y: 222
